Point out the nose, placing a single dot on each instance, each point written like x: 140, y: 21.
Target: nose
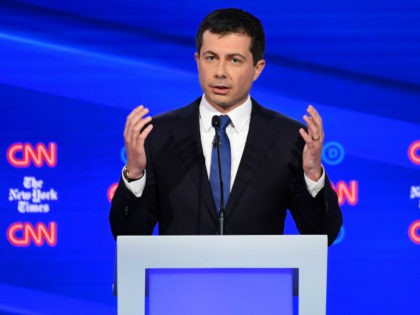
x: 221, y: 70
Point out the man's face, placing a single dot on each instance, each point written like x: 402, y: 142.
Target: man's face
x: 226, y: 69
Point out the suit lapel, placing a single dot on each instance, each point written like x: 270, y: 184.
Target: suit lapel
x: 261, y: 134
x: 186, y: 135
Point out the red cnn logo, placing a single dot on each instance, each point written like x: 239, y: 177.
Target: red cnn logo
x: 414, y: 232
x: 21, y: 234
x: 414, y: 152
x: 347, y: 192
x: 22, y: 154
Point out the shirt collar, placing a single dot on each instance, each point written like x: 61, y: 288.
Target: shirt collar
x: 239, y: 116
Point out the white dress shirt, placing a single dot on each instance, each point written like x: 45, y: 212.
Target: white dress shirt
x: 237, y: 132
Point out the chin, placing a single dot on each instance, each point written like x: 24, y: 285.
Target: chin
x: 221, y: 104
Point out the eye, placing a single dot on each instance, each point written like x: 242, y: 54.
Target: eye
x: 210, y: 58
x: 236, y: 60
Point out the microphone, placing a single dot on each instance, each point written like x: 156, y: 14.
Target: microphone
x: 215, y: 122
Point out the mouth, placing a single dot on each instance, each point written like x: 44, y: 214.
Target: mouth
x: 220, y: 89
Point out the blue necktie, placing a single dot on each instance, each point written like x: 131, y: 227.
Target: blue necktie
x: 225, y: 160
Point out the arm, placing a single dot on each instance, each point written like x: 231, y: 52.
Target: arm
x: 314, y: 215
x: 319, y: 214
x: 130, y: 214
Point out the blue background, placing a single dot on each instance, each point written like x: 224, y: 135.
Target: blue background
x: 70, y: 72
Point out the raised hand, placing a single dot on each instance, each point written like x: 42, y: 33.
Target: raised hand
x: 314, y: 138
x: 134, y: 136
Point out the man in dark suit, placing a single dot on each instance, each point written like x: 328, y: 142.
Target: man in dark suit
x: 273, y: 164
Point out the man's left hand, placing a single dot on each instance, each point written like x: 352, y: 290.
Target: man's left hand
x: 313, y: 144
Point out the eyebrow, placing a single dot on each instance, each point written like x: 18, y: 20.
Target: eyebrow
x: 229, y: 55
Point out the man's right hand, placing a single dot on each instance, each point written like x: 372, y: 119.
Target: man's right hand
x: 134, y: 137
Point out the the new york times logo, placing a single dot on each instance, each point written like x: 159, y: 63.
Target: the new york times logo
x: 32, y: 198
x: 415, y: 193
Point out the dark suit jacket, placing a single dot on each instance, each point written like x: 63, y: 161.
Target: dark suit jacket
x: 269, y: 181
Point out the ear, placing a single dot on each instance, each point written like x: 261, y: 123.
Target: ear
x: 197, y: 60
x: 259, y: 67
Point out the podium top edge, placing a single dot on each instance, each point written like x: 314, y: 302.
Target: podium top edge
x: 224, y: 238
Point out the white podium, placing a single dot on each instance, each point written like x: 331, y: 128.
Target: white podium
x: 269, y: 259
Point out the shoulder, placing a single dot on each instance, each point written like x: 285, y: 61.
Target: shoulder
x: 173, y: 125
x: 280, y: 130
x: 274, y: 118
x: 178, y: 115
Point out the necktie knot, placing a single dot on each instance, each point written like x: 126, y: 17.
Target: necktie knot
x: 224, y: 122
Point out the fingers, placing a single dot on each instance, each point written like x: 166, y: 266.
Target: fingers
x: 136, y: 120
x: 305, y: 135
x: 137, y: 128
x: 143, y: 135
x: 313, y: 137
x: 315, y: 128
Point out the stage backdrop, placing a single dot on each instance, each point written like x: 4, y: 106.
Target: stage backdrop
x: 70, y: 72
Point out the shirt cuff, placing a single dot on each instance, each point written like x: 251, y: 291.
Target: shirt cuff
x: 136, y: 186
x: 315, y: 187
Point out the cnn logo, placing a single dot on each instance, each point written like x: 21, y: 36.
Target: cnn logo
x: 414, y: 232
x: 24, y: 154
x: 414, y: 152
x: 22, y: 234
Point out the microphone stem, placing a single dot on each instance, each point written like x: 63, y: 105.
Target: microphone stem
x: 221, y: 221
x: 222, y: 199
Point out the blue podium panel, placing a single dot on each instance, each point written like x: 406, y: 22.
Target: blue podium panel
x: 247, y: 270
x: 223, y: 291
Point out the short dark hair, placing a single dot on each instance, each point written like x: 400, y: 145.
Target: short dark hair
x: 227, y: 21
